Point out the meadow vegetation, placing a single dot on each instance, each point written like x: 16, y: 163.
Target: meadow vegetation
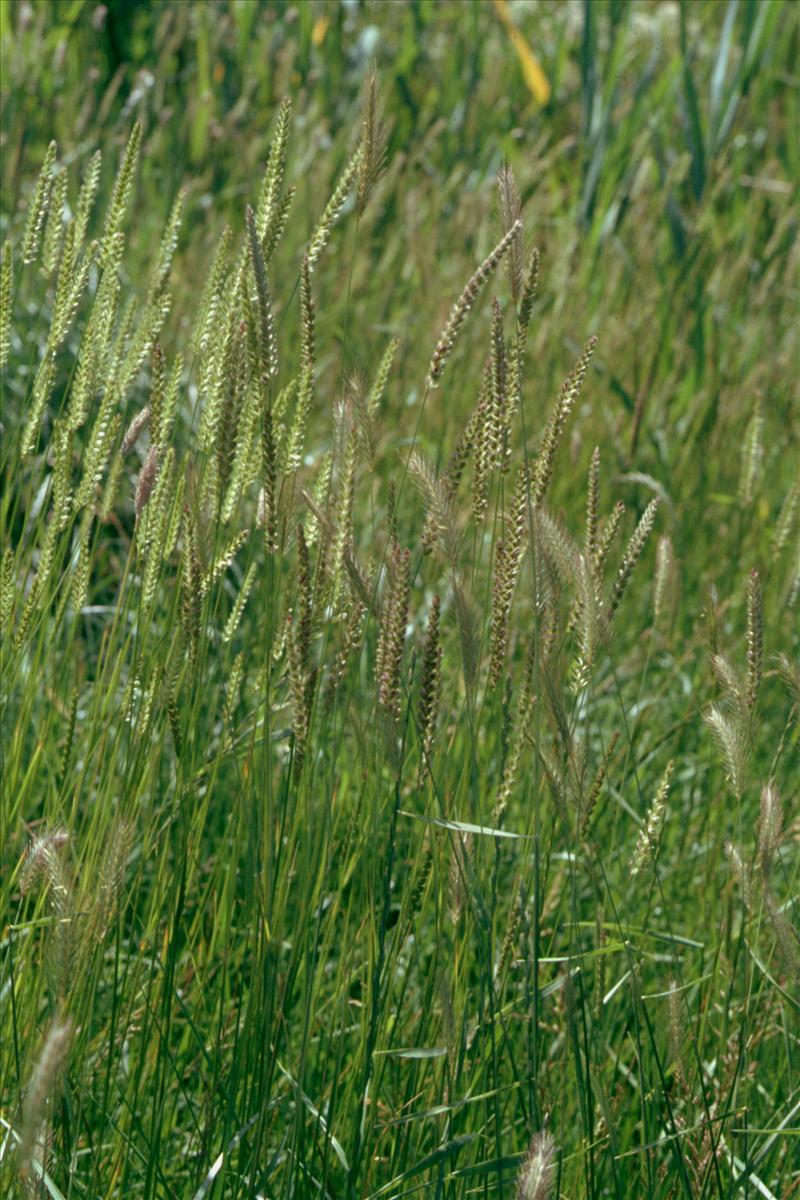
x: 399, y: 593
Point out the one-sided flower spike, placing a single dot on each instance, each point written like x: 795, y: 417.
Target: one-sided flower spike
x: 755, y: 639
x: 39, y: 204
x: 462, y: 306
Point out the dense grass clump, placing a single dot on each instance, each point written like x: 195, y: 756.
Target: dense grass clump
x: 399, y: 589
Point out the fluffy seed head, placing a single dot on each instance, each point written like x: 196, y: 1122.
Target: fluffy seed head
x: 536, y: 1174
x: 44, y: 1081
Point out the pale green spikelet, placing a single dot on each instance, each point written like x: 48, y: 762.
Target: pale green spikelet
x: 378, y: 388
x: 7, y: 590
x: 333, y: 208
x: 514, y: 384
x: 277, y: 225
x: 223, y: 561
x: 92, y: 370
x: 108, y: 501
x: 232, y: 689
x: 98, y: 452
x: 232, y: 624
x: 319, y: 496
x: 276, y: 169
x: 173, y: 525
x: 127, y: 366
x: 72, y: 281
x: 86, y: 198
x: 213, y: 381
x: 62, y: 474
x: 234, y: 396
x: 42, y: 387
x: 529, y: 288
x: 307, y: 317
x: 6, y: 287
x: 462, y: 306
x: 170, y: 405
x: 208, y: 310
x: 83, y: 565
x: 508, y: 561
x: 152, y: 530
x: 38, y: 206
x: 292, y: 450
x: 646, y: 850
x: 265, y: 327
x: 551, y: 438
x: 64, y: 288
x: 166, y: 249
x: 112, y: 242
x: 607, y: 536
x: 632, y: 554
x: 245, y: 468
x: 281, y: 404
x: 55, y: 224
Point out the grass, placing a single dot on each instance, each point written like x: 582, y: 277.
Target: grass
x: 399, y: 793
